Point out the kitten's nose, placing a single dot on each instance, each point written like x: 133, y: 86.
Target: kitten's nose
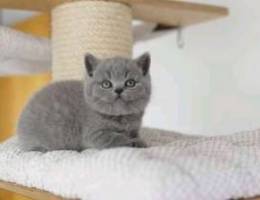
x: 119, y: 90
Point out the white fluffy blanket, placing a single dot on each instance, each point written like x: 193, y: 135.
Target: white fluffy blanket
x: 176, y: 167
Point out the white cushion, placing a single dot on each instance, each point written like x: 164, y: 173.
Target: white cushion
x: 175, y: 167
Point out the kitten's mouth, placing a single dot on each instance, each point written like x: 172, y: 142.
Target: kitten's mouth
x: 118, y: 97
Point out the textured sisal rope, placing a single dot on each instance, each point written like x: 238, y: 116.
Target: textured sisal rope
x: 101, y: 28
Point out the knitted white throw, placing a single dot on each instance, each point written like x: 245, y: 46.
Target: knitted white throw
x: 177, y: 167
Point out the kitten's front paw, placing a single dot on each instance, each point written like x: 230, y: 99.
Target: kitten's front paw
x: 139, y: 144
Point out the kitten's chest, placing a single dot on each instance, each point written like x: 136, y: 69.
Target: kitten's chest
x: 121, y: 123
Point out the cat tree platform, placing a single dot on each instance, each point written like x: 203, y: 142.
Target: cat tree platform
x: 174, y: 166
x: 168, y: 12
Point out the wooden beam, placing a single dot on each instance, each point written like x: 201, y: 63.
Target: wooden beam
x: 35, y: 5
x: 176, y: 13
x: 37, y: 194
x: 32, y: 193
x: 168, y: 12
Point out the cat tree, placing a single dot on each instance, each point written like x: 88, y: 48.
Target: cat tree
x: 103, y: 28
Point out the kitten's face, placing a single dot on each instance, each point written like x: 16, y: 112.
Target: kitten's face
x: 118, y: 86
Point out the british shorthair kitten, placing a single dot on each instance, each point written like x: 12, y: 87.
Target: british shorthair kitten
x: 104, y: 110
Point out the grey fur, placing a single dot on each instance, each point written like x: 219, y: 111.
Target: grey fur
x: 76, y: 115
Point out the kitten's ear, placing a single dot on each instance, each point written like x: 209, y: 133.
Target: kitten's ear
x: 91, y: 63
x: 144, y: 62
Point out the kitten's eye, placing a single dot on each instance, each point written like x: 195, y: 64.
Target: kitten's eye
x: 130, y: 83
x: 106, y: 84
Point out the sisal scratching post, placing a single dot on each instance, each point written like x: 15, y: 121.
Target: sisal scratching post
x: 99, y: 27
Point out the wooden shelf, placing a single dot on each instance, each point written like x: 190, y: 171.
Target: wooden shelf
x: 32, y: 193
x: 36, y: 194
x: 168, y: 12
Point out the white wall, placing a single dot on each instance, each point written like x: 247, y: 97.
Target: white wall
x: 212, y: 86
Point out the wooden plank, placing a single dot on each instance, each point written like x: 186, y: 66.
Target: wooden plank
x: 32, y: 193
x: 177, y: 13
x: 168, y: 12
x: 37, y: 5
x: 37, y: 194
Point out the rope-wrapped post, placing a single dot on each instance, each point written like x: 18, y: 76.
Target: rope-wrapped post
x: 102, y: 28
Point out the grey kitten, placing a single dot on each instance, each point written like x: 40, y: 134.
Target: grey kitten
x: 104, y: 110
